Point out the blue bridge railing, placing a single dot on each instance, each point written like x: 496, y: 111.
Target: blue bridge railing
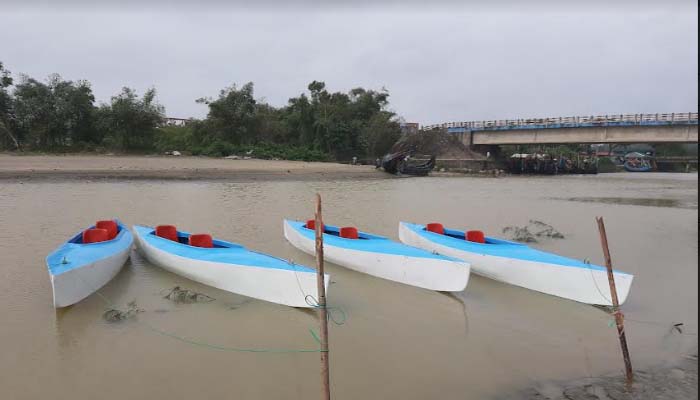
x: 571, y: 122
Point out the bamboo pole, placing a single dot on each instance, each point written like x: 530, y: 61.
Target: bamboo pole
x: 619, y: 318
x: 320, y: 281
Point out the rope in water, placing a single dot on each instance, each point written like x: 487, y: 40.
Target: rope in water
x: 233, y: 349
x: 666, y: 324
x: 218, y: 347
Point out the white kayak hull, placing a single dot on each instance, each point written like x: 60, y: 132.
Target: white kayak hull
x: 428, y: 273
x: 79, y: 269
x: 585, y: 285
x: 76, y: 284
x: 288, y: 287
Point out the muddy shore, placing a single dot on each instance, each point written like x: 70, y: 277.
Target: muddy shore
x: 52, y: 167
x: 678, y: 382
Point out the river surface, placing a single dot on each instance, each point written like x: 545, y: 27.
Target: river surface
x: 398, y: 342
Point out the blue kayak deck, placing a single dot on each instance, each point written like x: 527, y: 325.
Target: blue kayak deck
x: 75, y: 254
x: 367, y: 242
x: 223, y: 252
x: 500, y: 248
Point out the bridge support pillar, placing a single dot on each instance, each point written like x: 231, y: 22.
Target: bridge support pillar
x: 467, y: 138
x: 493, y: 151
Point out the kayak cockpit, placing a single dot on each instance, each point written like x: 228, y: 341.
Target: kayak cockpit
x: 346, y: 232
x: 470, y: 236
x: 473, y: 237
x: 199, y: 240
x: 102, y: 231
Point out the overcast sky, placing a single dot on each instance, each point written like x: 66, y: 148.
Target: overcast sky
x: 450, y: 62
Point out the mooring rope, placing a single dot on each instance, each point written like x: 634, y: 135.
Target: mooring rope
x: 218, y: 347
x: 315, y: 303
x: 233, y: 349
x: 588, y: 264
x: 666, y: 324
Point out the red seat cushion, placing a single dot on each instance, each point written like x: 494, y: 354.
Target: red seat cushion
x: 201, y: 240
x: 311, y: 224
x: 435, y: 227
x: 110, y: 226
x: 167, y: 232
x: 476, y: 236
x: 95, y: 235
x: 349, y: 232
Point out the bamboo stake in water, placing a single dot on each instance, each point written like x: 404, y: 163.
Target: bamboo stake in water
x: 619, y: 318
x: 320, y: 281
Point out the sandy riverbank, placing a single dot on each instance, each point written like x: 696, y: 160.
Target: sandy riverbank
x: 176, y: 168
x: 678, y: 382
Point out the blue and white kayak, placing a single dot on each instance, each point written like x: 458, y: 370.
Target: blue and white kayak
x: 80, y: 267
x: 378, y: 256
x: 521, y: 265
x: 629, y: 167
x: 231, y: 267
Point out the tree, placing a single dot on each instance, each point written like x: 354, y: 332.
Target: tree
x: 380, y: 134
x: 6, y: 110
x: 340, y: 121
x: 129, y: 121
x: 231, y: 117
x: 298, y: 117
x: 57, y: 113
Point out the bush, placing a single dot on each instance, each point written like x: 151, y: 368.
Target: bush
x: 265, y: 151
x: 169, y: 138
x: 218, y: 148
x: 297, y: 153
x: 605, y: 164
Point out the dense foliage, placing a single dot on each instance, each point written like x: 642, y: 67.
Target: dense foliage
x: 339, y: 125
x: 61, y: 115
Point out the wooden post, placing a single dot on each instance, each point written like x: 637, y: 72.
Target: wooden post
x: 619, y: 318
x: 320, y: 281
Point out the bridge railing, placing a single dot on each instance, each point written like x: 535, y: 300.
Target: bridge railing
x: 573, y: 122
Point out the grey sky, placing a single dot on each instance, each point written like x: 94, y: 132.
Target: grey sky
x: 440, y: 64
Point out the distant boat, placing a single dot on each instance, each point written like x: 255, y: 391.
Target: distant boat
x: 638, y: 162
x: 400, y: 163
x: 378, y: 256
x: 633, y: 168
x: 228, y: 266
x: 88, y: 261
x: 518, y: 264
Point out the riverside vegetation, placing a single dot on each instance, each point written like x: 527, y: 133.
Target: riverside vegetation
x: 59, y: 115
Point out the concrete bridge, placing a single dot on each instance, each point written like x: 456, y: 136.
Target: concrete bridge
x: 621, y: 128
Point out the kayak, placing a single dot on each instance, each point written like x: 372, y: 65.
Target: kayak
x: 228, y: 266
x: 378, y: 256
x: 520, y: 265
x: 88, y: 261
x: 629, y: 167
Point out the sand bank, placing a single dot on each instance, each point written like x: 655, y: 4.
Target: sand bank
x: 176, y: 168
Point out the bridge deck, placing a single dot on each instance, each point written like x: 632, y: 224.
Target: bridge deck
x: 630, y: 128
x: 572, y: 122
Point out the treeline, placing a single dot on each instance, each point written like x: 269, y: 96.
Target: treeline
x: 62, y: 116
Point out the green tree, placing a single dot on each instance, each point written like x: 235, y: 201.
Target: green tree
x: 231, y: 117
x: 298, y: 117
x: 55, y: 114
x: 313, y: 124
x: 380, y: 134
x: 7, y: 138
x: 130, y: 122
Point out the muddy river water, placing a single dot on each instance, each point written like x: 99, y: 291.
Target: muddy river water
x: 397, y: 342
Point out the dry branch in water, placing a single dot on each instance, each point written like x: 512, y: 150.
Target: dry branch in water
x: 115, y: 315
x: 181, y: 295
x: 530, y: 232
